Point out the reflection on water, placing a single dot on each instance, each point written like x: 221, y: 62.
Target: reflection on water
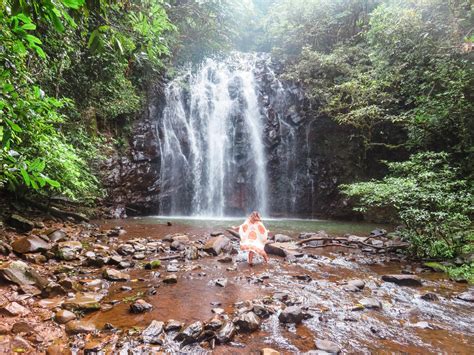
x: 276, y: 225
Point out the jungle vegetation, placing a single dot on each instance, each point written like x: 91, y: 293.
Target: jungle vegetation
x: 74, y: 72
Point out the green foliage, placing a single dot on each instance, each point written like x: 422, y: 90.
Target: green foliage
x: 434, y: 205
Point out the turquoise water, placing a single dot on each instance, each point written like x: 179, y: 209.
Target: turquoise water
x: 286, y: 226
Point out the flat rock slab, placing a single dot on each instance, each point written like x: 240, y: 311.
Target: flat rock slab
x: 30, y: 244
x: 115, y: 275
x: 151, y: 333
x: 79, y: 327
x: 328, y: 346
x: 403, y: 280
x: 22, y: 274
x: 370, y: 303
x: 84, y: 302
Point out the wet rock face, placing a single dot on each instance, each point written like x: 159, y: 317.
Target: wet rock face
x: 131, y: 178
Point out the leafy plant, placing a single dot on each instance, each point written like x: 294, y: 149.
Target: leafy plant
x: 433, y: 203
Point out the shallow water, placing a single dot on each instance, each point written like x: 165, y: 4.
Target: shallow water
x: 392, y: 329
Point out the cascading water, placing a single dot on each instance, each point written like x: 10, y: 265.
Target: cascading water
x: 216, y: 137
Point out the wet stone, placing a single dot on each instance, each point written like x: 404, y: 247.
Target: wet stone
x: 218, y: 310
x: 225, y: 259
x: 191, y: 253
x: 173, y: 325
x: 467, y: 296
x: 282, y: 238
x: 22, y: 327
x: 328, y: 346
x: 221, y: 282
x: 140, y: 306
x: 151, y: 333
x: 403, y: 280
x: 139, y: 256
x: 214, y: 324
x: 30, y: 244
x: 115, y: 275
x: 216, y: 245
x: 63, y: 316
x: 357, y: 283
x: 83, y: 301
x: 125, y: 249
x: 170, y: 279
x: 79, y: 327
x: 248, y: 322
x: 370, y: 303
x: 177, y: 245
x: 20, y: 273
x: 292, y: 314
x: 429, y: 296
x: 69, y: 250
x: 225, y: 333
x: 114, y: 260
x: 190, y: 334
x: 172, y: 268
x: 269, y: 351
x: 125, y: 288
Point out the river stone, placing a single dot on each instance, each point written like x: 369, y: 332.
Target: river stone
x: 57, y: 236
x: 190, y: 334
x: 248, y: 322
x: 115, y: 275
x: 177, y: 246
x: 467, y: 296
x: 216, y: 245
x: 429, y: 296
x: 125, y: 249
x: 226, y: 333
x: 180, y: 238
x: 152, y: 332
x: 282, y: 238
x: 20, y: 273
x: 269, y: 351
x: 275, y: 249
x: 370, y: 303
x: 191, y: 252
x: 140, y: 306
x: 83, y: 302
x: 328, y: 346
x: 292, y: 314
x: 69, y: 250
x: 173, y: 325
x: 172, y: 268
x: 215, y: 323
x: 30, y: 244
x: 14, y: 309
x: 79, y: 327
x: 21, y: 224
x: 139, y: 256
x: 170, y: 279
x: 221, y: 282
x: 403, y: 280
x: 114, y: 260
x: 63, y: 316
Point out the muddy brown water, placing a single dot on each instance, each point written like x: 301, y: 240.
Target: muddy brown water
x: 393, y: 329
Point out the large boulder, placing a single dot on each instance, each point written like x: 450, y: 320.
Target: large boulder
x: 216, y: 245
x: 30, y: 244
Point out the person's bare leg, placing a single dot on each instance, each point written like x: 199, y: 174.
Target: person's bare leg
x: 265, y: 257
x: 250, y: 258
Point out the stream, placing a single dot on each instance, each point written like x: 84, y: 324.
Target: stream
x: 316, y: 282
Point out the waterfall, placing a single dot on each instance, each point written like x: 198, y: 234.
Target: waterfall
x: 216, y: 138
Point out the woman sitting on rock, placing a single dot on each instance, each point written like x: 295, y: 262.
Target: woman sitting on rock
x: 253, y: 236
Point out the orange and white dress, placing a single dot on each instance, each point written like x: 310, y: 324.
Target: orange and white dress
x: 253, y: 236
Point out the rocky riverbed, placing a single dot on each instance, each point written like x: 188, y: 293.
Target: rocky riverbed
x: 119, y: 286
